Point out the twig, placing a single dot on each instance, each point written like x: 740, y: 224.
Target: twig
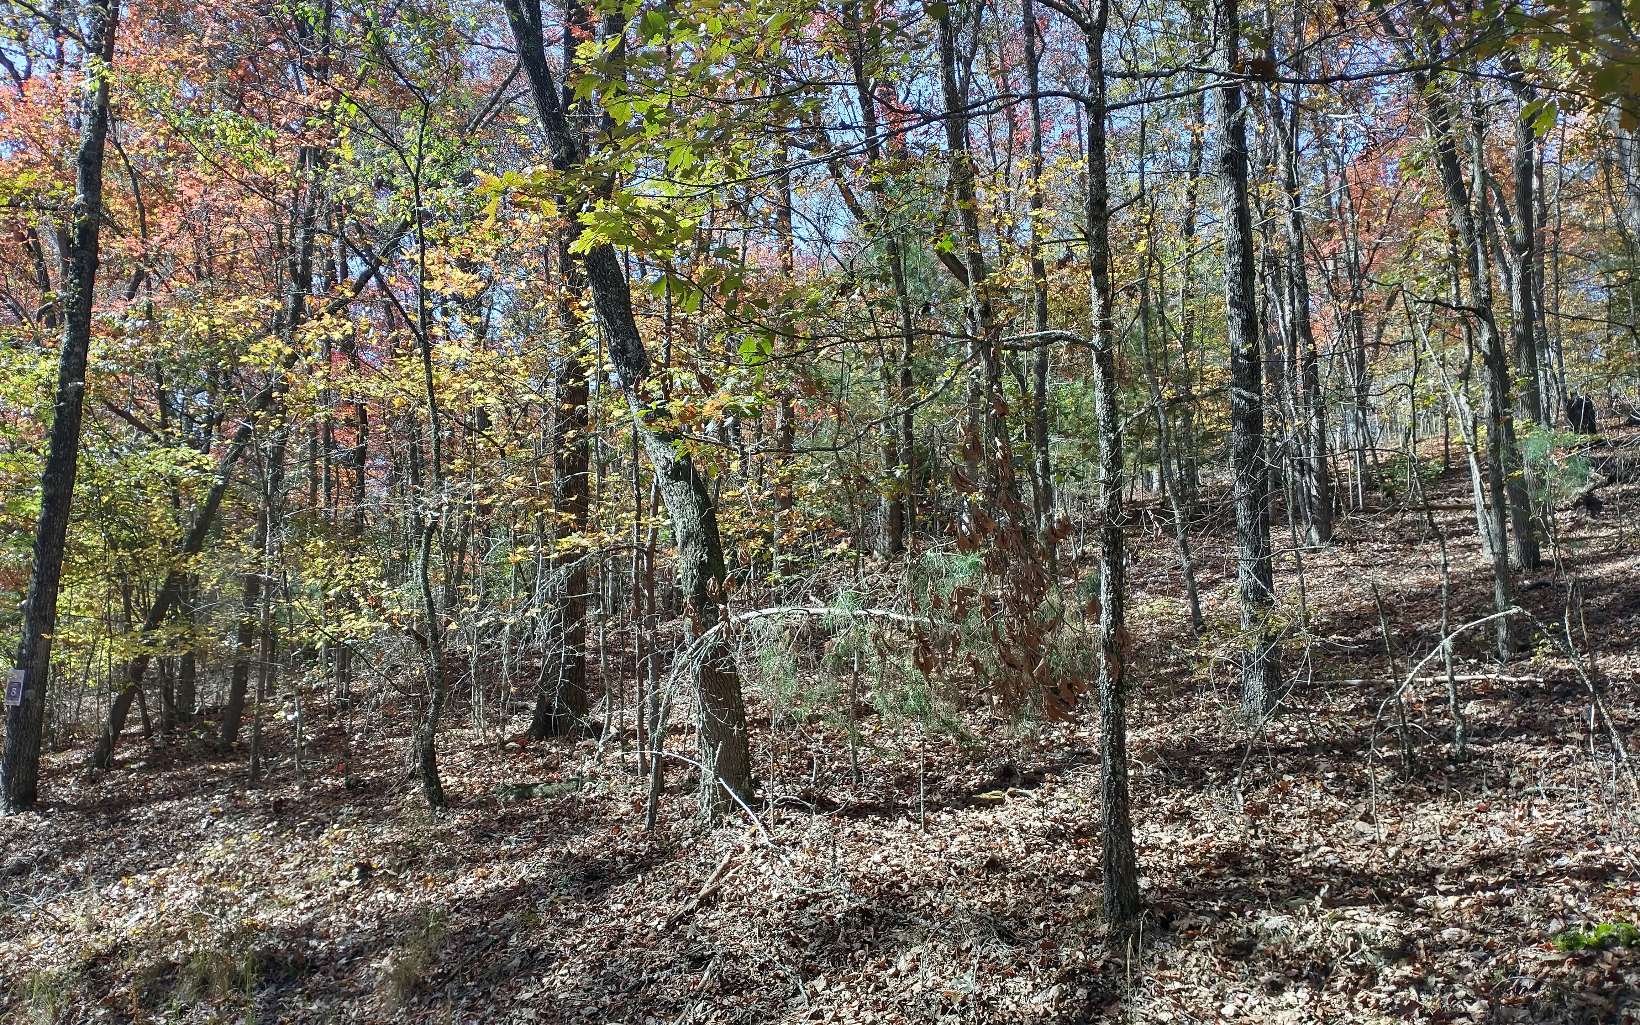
x: 1377, y: 719
x: 713, y: 884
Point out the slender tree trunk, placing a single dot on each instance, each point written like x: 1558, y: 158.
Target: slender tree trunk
x: 1314, y: 476
x: 1121, y: 876
x: 1500, y: 426
x: 20, y: 768
x: 233, y: 710
x: 721, y: 710
x: 1189, y: 472
x: 1523, y: 290
x: 987, y: 439
x: 267, y: 651
x: 1042, y: 461
x: 894, y: 504
x: 165, y: 601
x: 187, y: 688
x: 785, y: 424
x: 1254, y: 569
x: 562, y: 705
x: 1165, y: 469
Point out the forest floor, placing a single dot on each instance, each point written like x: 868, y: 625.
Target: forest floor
x: 1306, y: 874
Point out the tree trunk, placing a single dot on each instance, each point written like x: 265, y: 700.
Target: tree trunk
x: 1121, y: 876
x: 1523, y: 289
x: 233, y: 710
x: 1042, y: 463
x: 785, y: 425
x: 1166, y: 471
x: 1500, y: 426
x: 187, y: 688
x: 20, y: 768
x: 1254, y: 570
x: 1189, y: 471
x: 1314, y: 477
x: 700, y: 566
x: 562, y: 703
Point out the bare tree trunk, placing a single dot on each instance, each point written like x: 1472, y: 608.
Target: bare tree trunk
x: 987, y: 440
x: 1500, y: 425
x: 187, y: 688
x: 20, y: 768
x: 1523, y: 290
x: 233, y: 710
x: 1165, y: 468
x: 785, y: 426
x: 1121, y: 874
x: 1314, y: 475
x: 1189, y: 472
x: 273, y: 486
x: 1042, y: 472
x: 562, y: 705
x: 1254, y: 569
x: 563, y: 702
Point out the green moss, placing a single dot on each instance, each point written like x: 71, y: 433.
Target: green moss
x: 1602, y: 936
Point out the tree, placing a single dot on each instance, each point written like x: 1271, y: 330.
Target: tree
x: 1121, y: 874
x: 1509, y: 508
x: 702, y: 575
x: 20, y: 771
x: 1255, y: 574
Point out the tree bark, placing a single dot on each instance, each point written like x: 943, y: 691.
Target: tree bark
x: 562, y: 703
x: 20, y: 768
x: 1041, y: 455
x: 1121, y: 874
x: 721, y: 712
x: 564, y: 700
x: 1254, y: 570
x: 1314, y: 476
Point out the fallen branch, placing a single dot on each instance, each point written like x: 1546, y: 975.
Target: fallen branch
x: 1378, y: 718
x: 1461, y: 677
x: 713, y: 884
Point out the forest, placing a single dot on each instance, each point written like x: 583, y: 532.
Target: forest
x: 880, y: 511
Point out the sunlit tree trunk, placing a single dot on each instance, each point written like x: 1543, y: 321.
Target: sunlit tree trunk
x: 1121, y: 875
x: 1254, y: 570
x: 1314, y: 474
